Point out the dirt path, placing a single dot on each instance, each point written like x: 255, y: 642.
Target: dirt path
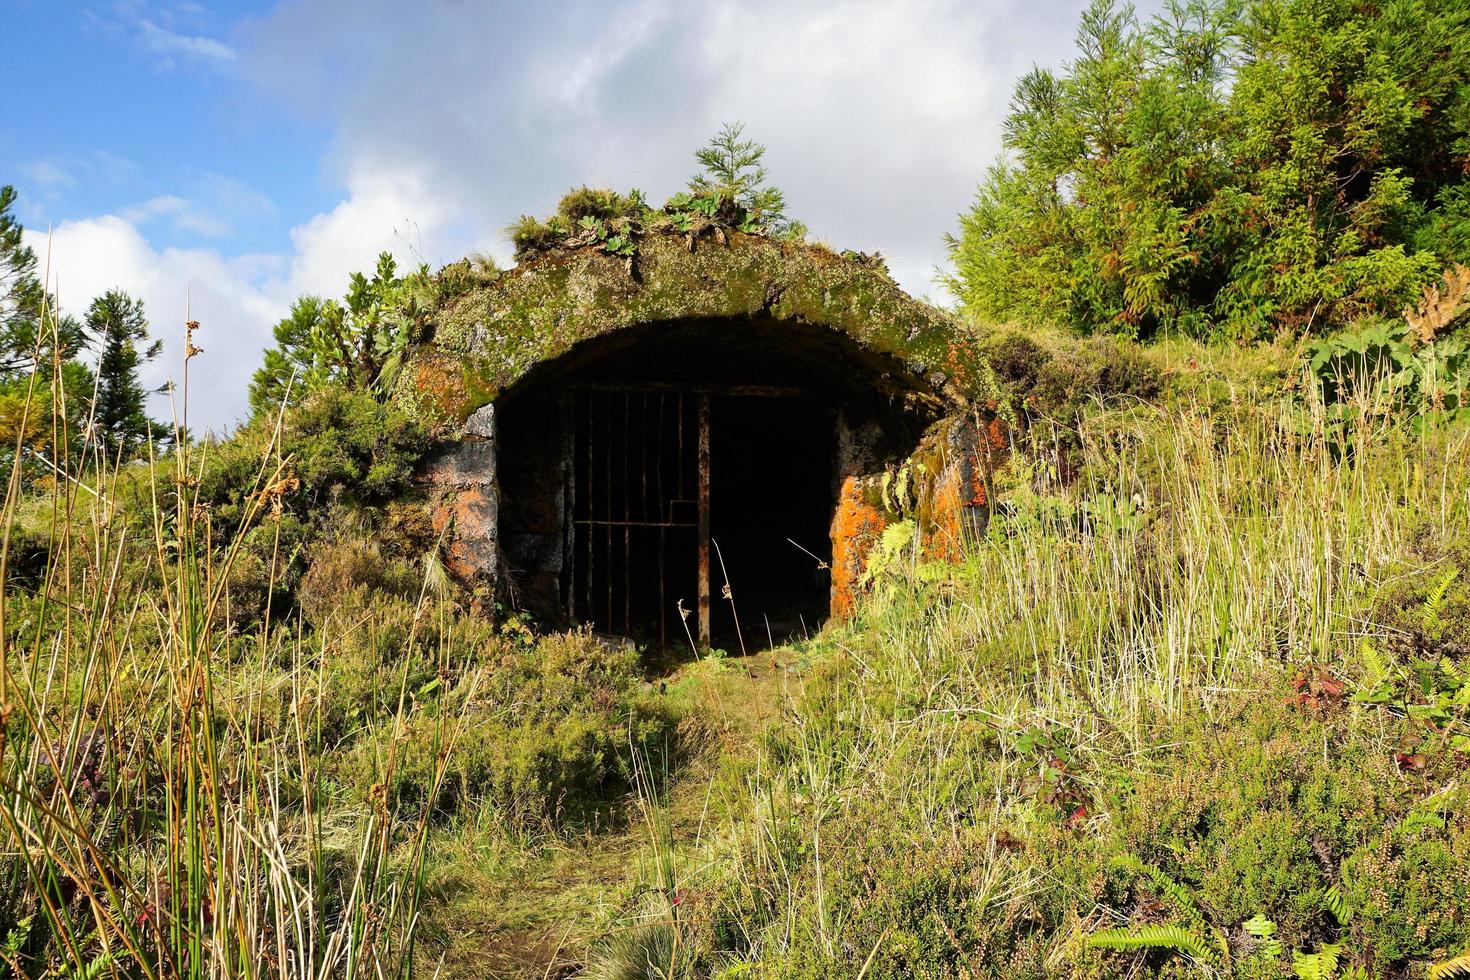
x: 534, y: 912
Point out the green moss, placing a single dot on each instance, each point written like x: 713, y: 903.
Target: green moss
x: 545, y: 306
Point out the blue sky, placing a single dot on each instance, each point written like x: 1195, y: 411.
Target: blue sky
x: 244, y: 153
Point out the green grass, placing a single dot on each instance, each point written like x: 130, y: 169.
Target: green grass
x: 166, y: 800
x: 1158, y: 660
x: 1202, y: 707
x: 189, y: 791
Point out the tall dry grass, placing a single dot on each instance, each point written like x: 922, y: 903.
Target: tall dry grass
x: 164, y: 803
x: 1207, y: 554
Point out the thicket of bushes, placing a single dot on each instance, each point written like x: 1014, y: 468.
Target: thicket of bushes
x: 1198, y: 705
x: 1228, y: 170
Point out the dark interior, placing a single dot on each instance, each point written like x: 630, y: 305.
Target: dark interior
x: 635, y: 512
x: 772, y: 493
x: 598, y: 471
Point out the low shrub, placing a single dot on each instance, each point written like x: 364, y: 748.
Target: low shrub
x: 544, y: 729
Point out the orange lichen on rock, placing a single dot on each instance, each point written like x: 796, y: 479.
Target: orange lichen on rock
x: 954, y: 499
x: 856, y: 527
x: 998, y: 434
x: 473, y: 512
x: 944, y: 537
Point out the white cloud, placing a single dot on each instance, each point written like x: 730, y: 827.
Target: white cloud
x: 47, y: 175
x: 880, y: 117
x: 183, y: 214
x: 226, y: 295
x: 453, y: 118
x: 172, y: 31
x: 237, y: 300
x: 170, y: 45
x: 383, y: 212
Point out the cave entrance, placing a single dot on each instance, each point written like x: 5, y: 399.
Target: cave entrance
x: 600, y: 514
x: 701, y: 515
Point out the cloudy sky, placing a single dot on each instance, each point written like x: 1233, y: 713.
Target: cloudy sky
x: 245, y: 153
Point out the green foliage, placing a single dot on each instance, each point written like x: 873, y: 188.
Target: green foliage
x: 29, y: 325
x: 546, y: 727
x: 358, y: 344
x: 118, y: 331
x: 1459, y: 966
x: 1228, y: 168
x: 1174, y: 938
x: 342, y: 457
x: 1321, y: 965
x: 1425, y: 608
x: 732, y: 187
x: 38, y: 356
x: 647, y: 950
x: 1264, y: 930
x: 1380, y: 369
x: 337, y: 444
x: 585, y: 216
x: 729, y: 193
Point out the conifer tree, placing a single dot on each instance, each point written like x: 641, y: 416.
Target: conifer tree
x: 43, y: 386
x: 1229, y: 167
x: 23, y: 302
x: 118, y: 331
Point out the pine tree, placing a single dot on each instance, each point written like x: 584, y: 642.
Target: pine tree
x: 23, y: 303
x: 118, y: 332
x: 732, y: 172
x: 1230, y: 167
x: 42, y: 384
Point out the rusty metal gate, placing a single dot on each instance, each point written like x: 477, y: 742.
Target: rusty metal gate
x: 640, y: 513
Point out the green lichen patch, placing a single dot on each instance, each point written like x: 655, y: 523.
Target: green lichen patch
x: 497, y: 329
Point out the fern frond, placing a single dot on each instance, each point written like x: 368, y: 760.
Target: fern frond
x: 1175, y: 938
x: 1448, y: 969
x: 1321, y: 965
x: 1264, y: 930
x: 94, y: 969
x: 1260, y: 926
x: 1373, y: 661
x: 1180, y: 895
x: 1334, y: 901
x: 1435, y: 600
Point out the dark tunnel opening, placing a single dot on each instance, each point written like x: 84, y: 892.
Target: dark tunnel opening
x: 772, y: 496
x: 604, y: 503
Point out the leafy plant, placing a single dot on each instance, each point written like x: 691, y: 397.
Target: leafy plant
x: 1459, y: 966
x: 1227, y: 168
x: 1264, y: 931
x: 730, y: 193
x: 1382, y: 368
x: 732, y: 188
x: 358, y: 343
x: 1174, y: 938
x: 1321, y: 965
x: 1195, y: 937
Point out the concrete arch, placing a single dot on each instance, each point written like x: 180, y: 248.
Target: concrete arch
x: 516, y: 364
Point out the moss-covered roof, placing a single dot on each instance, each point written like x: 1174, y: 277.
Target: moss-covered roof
x: 500, y: 325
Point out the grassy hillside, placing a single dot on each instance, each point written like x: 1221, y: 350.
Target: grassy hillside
x: 1201, y: 710
x: 1197, y: 702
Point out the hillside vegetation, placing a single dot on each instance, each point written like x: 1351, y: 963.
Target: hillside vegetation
x: 1196, y: 701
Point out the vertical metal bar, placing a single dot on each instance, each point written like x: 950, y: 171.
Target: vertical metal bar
x: 663, y: 612
x: 643, y: 454
x: 703, y: 460
x: 568, y: 410
x: 628, y: 575
x: 589, y: 528
x: 607, y: 456
x: 658, y: 473
x: 664, y: 514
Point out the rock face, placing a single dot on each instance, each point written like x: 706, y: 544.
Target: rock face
x: 521, y: 379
